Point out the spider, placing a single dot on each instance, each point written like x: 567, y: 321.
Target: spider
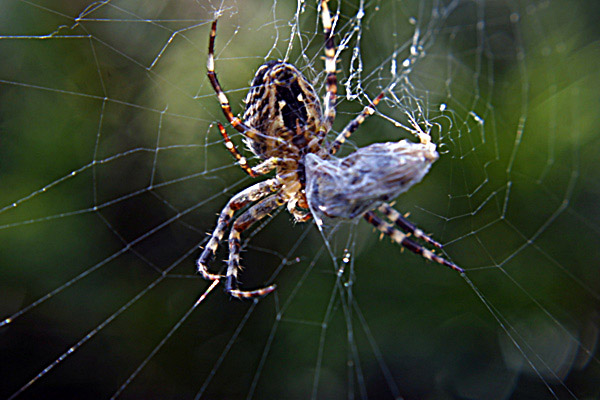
x: 285, y: 126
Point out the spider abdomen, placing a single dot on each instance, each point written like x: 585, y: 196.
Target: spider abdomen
x: 282, y: 104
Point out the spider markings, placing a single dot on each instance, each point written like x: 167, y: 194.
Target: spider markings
x: 285, y: 126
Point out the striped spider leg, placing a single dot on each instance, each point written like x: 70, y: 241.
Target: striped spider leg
x: 221, y: 96
x: 249, y: 195
x: 254, y: 214
x: 353, y: 126
x: 401, y: 222
x: 261, y: 169
x: 330, y: 67
x: 246, y: 196
x: 403, y: 239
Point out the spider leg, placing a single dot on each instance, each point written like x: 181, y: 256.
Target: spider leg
x: 223, y: 100
x: 402, y: 239
x: 244, y: 221
x: 301, y: 215
x: 259, y: 169
x: 330, y: 67
x: 251, y: 194
x: 404, y: 224
x: 353, y: 125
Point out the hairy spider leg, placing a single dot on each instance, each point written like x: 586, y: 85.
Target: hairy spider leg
x: 353, y: 125
x: 260, y: 169
x: 393, y: 215
x: 243, y: 222
x: 402, y: 239
x: 223, y: 100
x: 248, y: 195
x: 330, y: 67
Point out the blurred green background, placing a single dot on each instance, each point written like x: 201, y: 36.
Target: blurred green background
x: 112, y: 172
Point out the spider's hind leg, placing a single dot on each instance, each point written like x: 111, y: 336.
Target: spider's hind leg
x: 402, y: 239
x: 244, y: 221
x: 221, y: 96
x: 263, y: 168
x: 330, y: 66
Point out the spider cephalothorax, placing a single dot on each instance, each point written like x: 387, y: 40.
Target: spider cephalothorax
x: 285, y: 126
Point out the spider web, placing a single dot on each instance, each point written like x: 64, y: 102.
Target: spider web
x: 112, y: 172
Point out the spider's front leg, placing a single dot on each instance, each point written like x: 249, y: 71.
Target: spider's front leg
x: 248, y: 195
x: 244, y: 221
x: 404, y: 224
x: 403, y: 240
